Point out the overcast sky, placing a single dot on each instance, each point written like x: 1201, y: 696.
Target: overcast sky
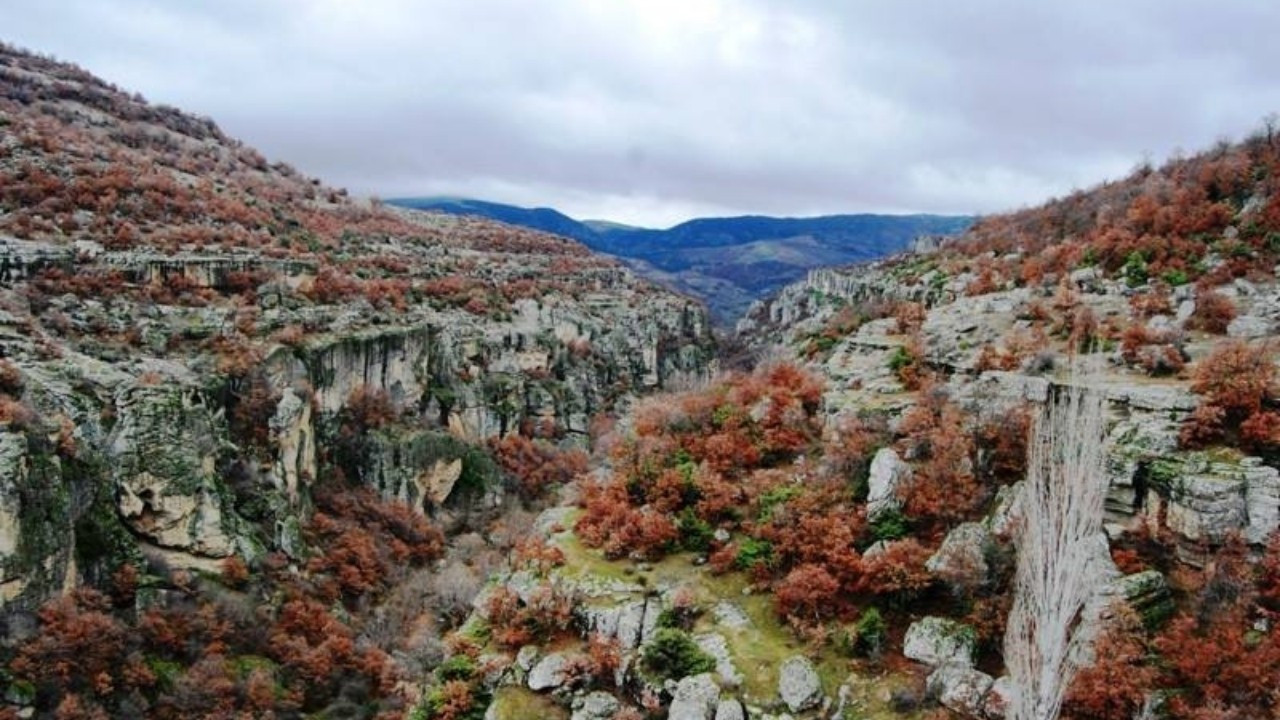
x: 654, y: 111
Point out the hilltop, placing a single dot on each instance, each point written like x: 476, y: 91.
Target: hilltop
x: 726, y: 262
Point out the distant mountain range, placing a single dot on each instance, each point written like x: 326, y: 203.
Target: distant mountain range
x: 727, y: 262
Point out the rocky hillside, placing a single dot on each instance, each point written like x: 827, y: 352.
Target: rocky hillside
x: 836, y: 533
x: 200, y: 349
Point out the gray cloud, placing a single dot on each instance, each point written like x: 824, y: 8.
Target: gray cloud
x: 651, y: 111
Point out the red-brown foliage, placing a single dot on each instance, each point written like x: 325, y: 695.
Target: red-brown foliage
x: 1115, y: 687
x: 1238, y: 384
x: 364, y: 543
x: 898, y: 570
x: 808, y: 592
x: 1213, y: 313
x: 537, y: 465
x: 943, y: 489
x: 80, y: 649
x: 910, y: 316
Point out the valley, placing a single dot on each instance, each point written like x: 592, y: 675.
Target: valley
x: 271, y: 451
x: 727, y: 263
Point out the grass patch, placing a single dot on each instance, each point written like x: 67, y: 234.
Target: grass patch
x: 517, y: 703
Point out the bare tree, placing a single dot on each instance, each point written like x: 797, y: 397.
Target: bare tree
x: 1061, y: 517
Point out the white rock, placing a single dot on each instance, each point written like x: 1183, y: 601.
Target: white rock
x: 1250, y: 326
x: 526, y: 657
x: 936, y: 641
x: 996, y: 705
x: 730, y: 615
x: 730, y: 709
x: 960, y: 688
x: 598, y: 705
x: 715, y: 645
x: 1262, y: 500
x: 695, y: 698
x: 961, y: 560
x: 888, y: 472
x: 799, y: 684
x: 549, y: 673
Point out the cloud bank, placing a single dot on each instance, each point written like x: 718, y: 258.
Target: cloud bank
x: 654, y: 111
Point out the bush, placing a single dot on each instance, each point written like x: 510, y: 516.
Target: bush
x: 754, y: 552
x: 1236, y: 381
x: 870, y: 632
x: 673, y: 654
x: 1214, y: 312
x: 696, y: 534
x: 890, y: 524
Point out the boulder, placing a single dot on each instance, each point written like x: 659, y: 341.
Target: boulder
x: 527, y: 657
x: 730, y: 709
x: 960, y: 688
x: 799, y: 684
x: 962, y: 559
x: 888, y: 472
x: 695, y: 698
x: 549, y: 673
x: 598, y: 705
x: 1005, y: 515
x: 937, y: 641
x: 1250, y: 326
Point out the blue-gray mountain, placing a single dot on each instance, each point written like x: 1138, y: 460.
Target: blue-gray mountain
x: 727, y: 262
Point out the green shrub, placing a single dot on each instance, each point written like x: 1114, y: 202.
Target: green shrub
x: 695, y: 533
x: 753, y: 552
x: 890, y: 524
x: 870, y: 631
x: 673, y: 654
x: 901, y: 358
x: 1135, y: 269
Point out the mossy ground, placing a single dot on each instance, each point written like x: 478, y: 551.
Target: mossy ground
x: 758, y: 649
x: 517, y: 703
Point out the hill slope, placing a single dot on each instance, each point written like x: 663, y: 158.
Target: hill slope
x: 244, y: 416
x: 728, y: 262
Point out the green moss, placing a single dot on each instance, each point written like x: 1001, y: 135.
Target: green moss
x: 166, y: 671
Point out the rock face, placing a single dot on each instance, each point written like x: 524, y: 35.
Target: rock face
x: 170, y: 461
x: 936, y: 641
x: 695, y: 698
x: 1200, y: 496
x: 165, y: 450
x: 798, y: 684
